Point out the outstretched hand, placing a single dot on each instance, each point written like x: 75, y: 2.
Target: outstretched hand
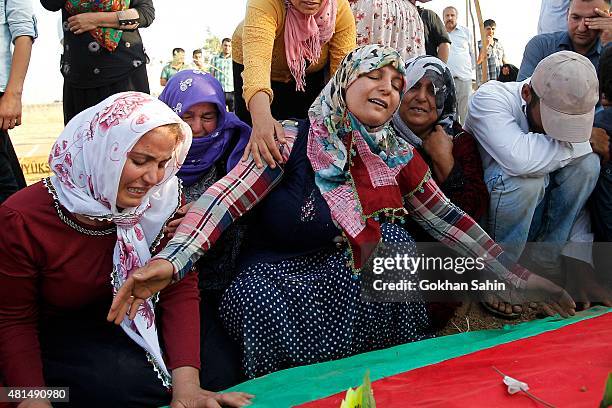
x: 141, y: 285
x: 539, y: 293
x: 551, y: 298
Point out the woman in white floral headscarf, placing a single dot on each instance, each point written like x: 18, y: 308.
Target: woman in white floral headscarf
x: 74, y: 239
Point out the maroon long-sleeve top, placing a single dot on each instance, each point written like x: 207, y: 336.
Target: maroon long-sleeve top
x: 49, y: 270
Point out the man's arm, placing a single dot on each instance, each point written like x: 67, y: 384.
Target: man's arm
x: 471, y: 48
x: 482, y: 55
x: 10, y: 103
x: 443, y: 51
x: 22, y: 26
x: 492, y: 122
x: 438, y: 34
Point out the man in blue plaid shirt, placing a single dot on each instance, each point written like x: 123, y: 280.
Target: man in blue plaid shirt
x: 493, y: 52
x: 222, y: 70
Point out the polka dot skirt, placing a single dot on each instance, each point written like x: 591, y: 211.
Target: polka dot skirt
x: 307, y: 309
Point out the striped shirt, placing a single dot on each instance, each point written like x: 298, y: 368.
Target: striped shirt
x: 222, y: 70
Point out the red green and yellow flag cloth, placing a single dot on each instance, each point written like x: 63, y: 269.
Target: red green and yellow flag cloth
x: 565, y: 362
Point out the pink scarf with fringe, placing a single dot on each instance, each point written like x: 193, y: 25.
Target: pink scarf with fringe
x: 304, y: 36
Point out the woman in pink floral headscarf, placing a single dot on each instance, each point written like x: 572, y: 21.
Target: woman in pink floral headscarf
x: 74, y: 238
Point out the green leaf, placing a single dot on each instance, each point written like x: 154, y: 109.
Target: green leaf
x: 360, y: 397
x: 607, y: 398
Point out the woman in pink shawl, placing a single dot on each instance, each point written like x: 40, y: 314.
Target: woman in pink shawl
x: 282, y: 51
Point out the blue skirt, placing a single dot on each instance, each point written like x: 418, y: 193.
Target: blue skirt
x: 307, y: 309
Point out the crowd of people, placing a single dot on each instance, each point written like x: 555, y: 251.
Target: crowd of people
x: 228, y: 227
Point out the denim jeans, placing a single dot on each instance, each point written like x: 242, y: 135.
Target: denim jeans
x: 539, y: 209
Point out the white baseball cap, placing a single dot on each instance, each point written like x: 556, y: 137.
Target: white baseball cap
x: 566, y: 83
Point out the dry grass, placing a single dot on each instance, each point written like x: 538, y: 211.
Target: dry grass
x: 41, y: 124
x: 472, y: 317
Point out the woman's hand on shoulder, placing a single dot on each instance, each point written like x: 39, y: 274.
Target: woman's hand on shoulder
x: 439, y: 147
x: 141, y: 285
x: 267, y: 133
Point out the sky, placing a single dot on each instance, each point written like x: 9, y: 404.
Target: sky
x: 186, y: 26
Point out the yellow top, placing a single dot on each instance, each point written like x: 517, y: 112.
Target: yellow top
x: 258, y: 44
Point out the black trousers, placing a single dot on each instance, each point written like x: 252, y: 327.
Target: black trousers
x: 287, y: 103
x: 11, y: 176
x: 77, y: 100
x: 101, y: 365
x: 104, y: 368
x: 220, y: 354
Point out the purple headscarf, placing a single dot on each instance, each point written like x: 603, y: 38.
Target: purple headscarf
x: 191, y: 87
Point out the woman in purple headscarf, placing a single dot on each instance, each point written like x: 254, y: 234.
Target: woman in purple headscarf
x: 219, y: 139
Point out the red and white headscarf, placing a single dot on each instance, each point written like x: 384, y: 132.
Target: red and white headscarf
x: 305, y: 35
x: 87, y: 161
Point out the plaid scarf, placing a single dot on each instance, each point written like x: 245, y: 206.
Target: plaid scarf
x: 356, y: 169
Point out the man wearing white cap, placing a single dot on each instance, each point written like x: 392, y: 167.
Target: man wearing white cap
x: 538, y: 163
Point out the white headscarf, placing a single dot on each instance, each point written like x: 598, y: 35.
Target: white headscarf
x: 87, y: 161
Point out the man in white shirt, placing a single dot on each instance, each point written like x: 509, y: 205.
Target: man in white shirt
x: 460, y: 59
x: 539, y: 166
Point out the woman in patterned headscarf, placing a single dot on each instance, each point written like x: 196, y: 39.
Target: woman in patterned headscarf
x: 426, y: 120
x: 347, y: 181
x: 74, y: 239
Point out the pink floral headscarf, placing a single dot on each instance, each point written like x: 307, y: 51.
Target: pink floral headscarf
x: 87, y: 161
x: 305, y: 35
